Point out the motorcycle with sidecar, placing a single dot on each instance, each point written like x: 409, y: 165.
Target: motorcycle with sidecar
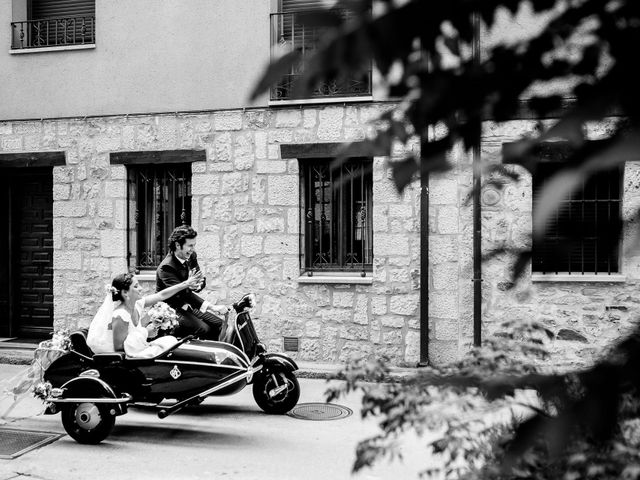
x: 91, y: 390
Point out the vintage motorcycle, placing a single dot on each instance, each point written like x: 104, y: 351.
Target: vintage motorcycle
x: 91, y: 390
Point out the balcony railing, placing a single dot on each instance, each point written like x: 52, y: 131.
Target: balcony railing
x: 289, y: 35
x: 53, y: 32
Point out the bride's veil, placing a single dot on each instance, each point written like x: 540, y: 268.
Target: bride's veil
x: 100, y: 336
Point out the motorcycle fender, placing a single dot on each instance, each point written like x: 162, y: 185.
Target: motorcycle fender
x: 91, y: 387
x: 279, y: 360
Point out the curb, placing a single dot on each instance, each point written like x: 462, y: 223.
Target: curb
x: 16, y: 357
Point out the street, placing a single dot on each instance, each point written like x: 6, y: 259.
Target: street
x: 228, y: 437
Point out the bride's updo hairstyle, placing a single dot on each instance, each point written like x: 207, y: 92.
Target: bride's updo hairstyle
x: 120, y: 283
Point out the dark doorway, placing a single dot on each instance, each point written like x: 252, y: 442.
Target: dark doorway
x: 26, y: 261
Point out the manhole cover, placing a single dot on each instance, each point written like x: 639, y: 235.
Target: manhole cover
x: 14, y: 443
x: 319, y: 411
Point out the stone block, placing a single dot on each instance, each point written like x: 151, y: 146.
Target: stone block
x: 288, y: 118
x: 244, y: 214
x: 251, y: 245
x: 392, y: 321
x: 443, y: 192
x: 330, y: 123
x: 310, y: 117
x: 281, y: 244
x: 269, y: 224
x: 360, y: 313
x: 63, y: 174
x: 273, y: 152
x: 445, y: 276
x: 67, y: 260
x: 387, y: 244
x: 227, y: 121
x: 244, y: 162
x: 378, y: 305
x: 61, y: 192
x: 205, y: 184
x: 343, y: 299
x: 404, y: 304
x: 271, y: 166
x: 115, y: 189
x: 260, y: 145
x: 234, y: 183
x: 443, y: 305
x: 113, y: 243
x: 283, y: 190
x: 74, y: 208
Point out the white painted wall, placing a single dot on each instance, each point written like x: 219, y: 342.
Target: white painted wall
x: 150, y: 56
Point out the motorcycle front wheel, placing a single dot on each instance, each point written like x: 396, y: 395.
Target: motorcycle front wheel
x: 276, y: 392
x: 88, y: 423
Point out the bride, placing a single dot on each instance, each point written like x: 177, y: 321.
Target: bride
x: 121, y: 323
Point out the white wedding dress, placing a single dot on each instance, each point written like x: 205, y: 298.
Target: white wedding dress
x: 100, y: 336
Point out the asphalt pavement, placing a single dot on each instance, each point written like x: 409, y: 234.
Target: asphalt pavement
x: 225, y: 437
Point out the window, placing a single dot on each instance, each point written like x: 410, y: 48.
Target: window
x: 53, y: 23
x: 583, y: 236
x: 288, y: 34
x: 336, y: 216
x: 159, y: 199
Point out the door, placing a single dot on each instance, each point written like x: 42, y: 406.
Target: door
x: 26, y: 268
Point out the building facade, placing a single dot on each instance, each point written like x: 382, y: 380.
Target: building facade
x: 120, y: 120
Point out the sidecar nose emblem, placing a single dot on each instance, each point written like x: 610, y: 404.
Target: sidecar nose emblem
x: 175, y: 372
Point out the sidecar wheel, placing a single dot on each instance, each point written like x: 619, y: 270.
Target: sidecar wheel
x: 282, y: 402
x: 88, y: 423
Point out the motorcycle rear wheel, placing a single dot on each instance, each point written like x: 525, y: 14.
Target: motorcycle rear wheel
x: 87, y: 423
x: 283, y: 401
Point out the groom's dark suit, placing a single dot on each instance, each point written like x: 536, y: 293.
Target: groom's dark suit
x: 186, y: 302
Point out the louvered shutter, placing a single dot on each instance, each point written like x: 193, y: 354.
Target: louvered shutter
x: 62, y: 22
x: 44, y: 9
x: 288, y: 6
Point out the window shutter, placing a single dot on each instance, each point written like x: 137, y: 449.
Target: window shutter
x: 288, y: 6
x: 44, y: 9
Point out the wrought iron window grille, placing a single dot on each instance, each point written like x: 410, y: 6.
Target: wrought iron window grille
x: 53, y: 32
x: 159, y: 199
x: 336, y: 213
x: 584, y: 234
x: 288, y: 35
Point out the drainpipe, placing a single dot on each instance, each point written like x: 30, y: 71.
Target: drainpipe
x: 477, y: 210
x: 424, y: 253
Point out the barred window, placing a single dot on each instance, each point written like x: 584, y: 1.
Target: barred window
x: 290, y: 34
x: 336, y: 203
x: 159, y: 199
x: 583, y: 235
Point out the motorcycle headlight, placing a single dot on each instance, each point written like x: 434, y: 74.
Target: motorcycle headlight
x: 251, y: 300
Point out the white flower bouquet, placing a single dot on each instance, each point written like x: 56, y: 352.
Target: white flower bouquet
x: 163, y: 317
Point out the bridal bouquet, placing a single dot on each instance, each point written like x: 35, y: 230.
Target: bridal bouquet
x: 163, y: 316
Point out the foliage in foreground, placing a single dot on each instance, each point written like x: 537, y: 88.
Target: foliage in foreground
x: 425, y: 53
x: 497, y: 415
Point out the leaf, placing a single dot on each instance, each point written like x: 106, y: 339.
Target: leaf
x: 275, y: 72
x: 403, y: 172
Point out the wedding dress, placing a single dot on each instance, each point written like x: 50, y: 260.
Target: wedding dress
x: 100, y: 336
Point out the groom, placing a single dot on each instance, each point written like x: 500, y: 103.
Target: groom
x: 196, y: 316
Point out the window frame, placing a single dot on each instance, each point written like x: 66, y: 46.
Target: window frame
x: 158, y: 159
x: 553, y: 154
x: 332, y: 91
x: 340, y: 233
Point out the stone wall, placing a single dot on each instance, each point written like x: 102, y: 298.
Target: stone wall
x: 585, y: 317
x: 245, y: 207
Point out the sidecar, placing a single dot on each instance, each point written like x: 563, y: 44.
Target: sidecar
x: 91, y: 390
